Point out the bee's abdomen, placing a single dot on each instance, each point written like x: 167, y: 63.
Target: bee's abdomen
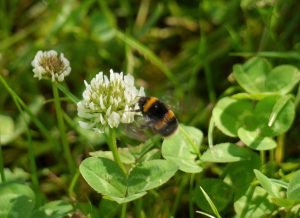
x: 170, y: 128
x: 167, y: 125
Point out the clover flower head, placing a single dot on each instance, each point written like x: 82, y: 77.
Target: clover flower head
x: 107, y: 102
x: 50, y: 65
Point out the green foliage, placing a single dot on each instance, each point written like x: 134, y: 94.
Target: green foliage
x: 182, y: 147
x: 231, y: 70
x: 107, y: 178
x: 212, y: 187
x: 17, y: 200
x: 225, y: 153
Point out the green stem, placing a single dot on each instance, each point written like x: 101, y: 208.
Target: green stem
x: 112, y: 143
x: 2, y: 165
x: 138, y: 207
x: 61, y: 126
x: 123, y: 212
x: 31, y: 154
x: 73, y: 183
x: 191, y: 192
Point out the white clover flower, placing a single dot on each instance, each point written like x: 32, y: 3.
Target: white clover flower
x: 50, y: 65
x: 107, y: 102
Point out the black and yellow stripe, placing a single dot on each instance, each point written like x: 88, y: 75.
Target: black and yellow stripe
x: 161, y: 119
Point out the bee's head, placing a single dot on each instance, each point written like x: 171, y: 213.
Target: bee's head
x: 142, y: 101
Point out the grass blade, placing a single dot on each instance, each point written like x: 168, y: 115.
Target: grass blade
x: 211, y: 203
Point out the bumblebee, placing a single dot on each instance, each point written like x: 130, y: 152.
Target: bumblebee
x: 158, y: 116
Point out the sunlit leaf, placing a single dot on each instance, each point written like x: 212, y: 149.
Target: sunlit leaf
x: 104, y: 176
x: 17, y: 200
x: 282, y: 79
x: 150, y: 174
x: 225, y: 153
x: 254, y: 140
x: 230, y: 114
x: 180, y: 148
x: 257, y: 76
x: 251, y: 76
x: 283, y: 120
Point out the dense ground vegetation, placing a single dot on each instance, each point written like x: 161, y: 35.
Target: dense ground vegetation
x: 229, y: 71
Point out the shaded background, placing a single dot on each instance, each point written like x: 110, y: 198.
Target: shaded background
x: 180, y: 51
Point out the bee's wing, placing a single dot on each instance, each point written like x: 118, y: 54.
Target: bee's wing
x: 139, y: 129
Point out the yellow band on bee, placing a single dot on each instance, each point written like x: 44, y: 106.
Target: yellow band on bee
x: 168, y: 116
x: 149, y: 103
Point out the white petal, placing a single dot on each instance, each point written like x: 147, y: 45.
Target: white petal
x: 114, y: 120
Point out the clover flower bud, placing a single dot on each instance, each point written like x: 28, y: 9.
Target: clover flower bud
x: 107, y: 102
x: 50, y: 65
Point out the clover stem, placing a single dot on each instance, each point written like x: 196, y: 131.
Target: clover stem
x: 112, y: 143
x: 123, y: 213
x: 191, y: 191
x: 61, y: 126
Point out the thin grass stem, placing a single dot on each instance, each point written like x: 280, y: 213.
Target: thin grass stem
x: 61, y: 126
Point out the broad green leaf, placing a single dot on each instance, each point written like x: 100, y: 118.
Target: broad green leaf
x: 255, y: 203
x: 277, y: 108
x: 267, y: 184
x: 293, y: 191
x: 17, y: 200
x: 180, y: 148
x: 282, y: 79
x: 104, y: 176
x: 54, y: 209
x: 233, y: 172
x: 283, y: 120
x: 126, y: 199
x: 230, y: 114
x: 252, y: 75
x: 149, y: 175
x: 213, y: 188
x: 226, y: 152
x: 257, y: 76
x: 7, y: 128
x: 254, y: 140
